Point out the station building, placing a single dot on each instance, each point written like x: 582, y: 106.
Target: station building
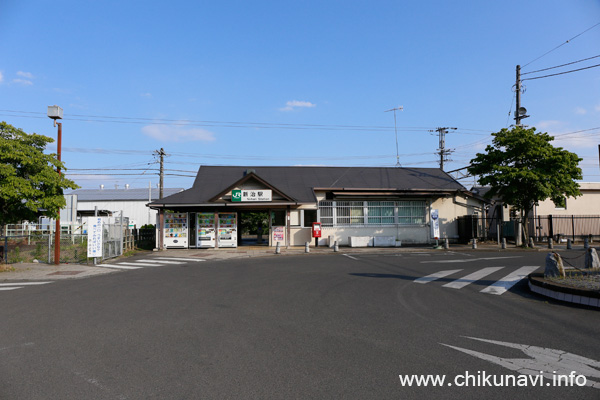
x: 356, y: 206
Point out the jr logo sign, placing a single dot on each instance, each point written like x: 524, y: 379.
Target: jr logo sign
x: 236, y: 195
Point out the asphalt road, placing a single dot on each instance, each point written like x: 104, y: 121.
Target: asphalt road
x: 302, y: 327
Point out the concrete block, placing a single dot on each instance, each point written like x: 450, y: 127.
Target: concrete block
x: 569, y: 297
x: 384, y: 241
x: 360, y: 241
x: 585, y: 300
x: 577, y: 299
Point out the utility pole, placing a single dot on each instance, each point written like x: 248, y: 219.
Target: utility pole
x: 400, y: 108
x: 520, y: 112
x: 161, y: 153
x: 442, y: 151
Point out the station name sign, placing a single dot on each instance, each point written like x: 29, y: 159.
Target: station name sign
x: 242, y: 195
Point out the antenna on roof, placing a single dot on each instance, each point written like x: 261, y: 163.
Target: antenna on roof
x: 399, y: 108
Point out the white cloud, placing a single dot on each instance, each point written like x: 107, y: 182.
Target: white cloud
x: 294, y: 104
x: 178, y: 133
x: 580, y: 111
x: 23, y: 74
x: 1, y: 77
x: 597, y: 108
x: 23, y: 82
x: 148, y: 95
x: 542, y: 125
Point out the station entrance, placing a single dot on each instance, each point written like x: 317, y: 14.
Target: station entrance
x: 253, y: 228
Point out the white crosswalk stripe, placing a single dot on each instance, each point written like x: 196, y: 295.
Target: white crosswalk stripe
x: 161, y: 261
x: 475, y: 276
x: 150, y: 262
x: 436, y: 276
x: 509, y: 280
x: 499, y: 287
x: 19, y: 285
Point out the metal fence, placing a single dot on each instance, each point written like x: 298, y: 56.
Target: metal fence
x: 36, y: 242
x: 39, y: 247
x: 542, y: 227
x: 565, y: 226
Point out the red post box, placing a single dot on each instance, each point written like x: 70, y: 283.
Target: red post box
x: 316, y: 229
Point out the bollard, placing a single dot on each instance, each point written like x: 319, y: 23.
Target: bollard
x: 586, y: 243
x: 306, y: 248
x: 446, y: 244
x: 474, y: 243
x: 277, y: 249
x: 569, y: 244
x: 336, y: 248
x: 550, y: 243
x: 531, y: 244
x: 503, y: 243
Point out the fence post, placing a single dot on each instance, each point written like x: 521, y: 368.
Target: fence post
x: 569, y: 244
x: 49, y: 247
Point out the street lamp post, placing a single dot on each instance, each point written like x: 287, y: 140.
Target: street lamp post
x: 55, y: 112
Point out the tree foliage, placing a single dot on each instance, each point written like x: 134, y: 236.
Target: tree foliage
x: 523, y: 168
x: 29, y: 184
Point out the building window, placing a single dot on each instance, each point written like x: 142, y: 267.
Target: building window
x: 411, y: 212
x: 310, y: 216
x: 560, y: 207
x: 372, y: 213
x: 380, y: 212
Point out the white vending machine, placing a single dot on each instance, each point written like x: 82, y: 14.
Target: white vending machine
x: 206, y: 230
x: 227, y: 229
x: 176, y: 231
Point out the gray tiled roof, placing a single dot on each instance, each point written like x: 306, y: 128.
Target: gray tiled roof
x: 120, y: 194
x: 299, y: 182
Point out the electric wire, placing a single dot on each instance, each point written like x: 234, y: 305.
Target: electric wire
x: 558, y: 66
x: 560, y: 45
x: 560, y: 73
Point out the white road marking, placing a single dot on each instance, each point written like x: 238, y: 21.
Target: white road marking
x: 354, y: 258
x: 11, y: 288
x: 509, y: 280
x: 542, y: 361
x: 117, y: 266
x: 137, y: 264
x: 23, y: 283
x: 160, y: 261
x: 469, y: 259
x: 475, y: 276
x: 437, y: 275
x: 179, y: 259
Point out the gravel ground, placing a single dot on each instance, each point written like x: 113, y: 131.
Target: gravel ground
x: 574, y: 278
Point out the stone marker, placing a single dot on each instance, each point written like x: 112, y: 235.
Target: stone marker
x: 554, y: 266
x: 591, y: 258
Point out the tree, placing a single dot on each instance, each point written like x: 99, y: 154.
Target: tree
x: 523, y: 168
x: 29, y: 183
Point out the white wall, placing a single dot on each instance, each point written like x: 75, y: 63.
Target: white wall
x: 134, y: 210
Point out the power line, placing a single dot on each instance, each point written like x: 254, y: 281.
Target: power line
x: 560, y: 45
x: 561, y: 73
x: 562, y: 65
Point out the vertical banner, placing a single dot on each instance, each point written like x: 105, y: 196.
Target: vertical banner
x: 435, y: 224
x: 94, y: 231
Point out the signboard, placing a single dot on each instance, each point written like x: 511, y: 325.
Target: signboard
x: 94, y: 237
x: 435, y: 224
x: 278, y: 235
x: 316, y: 229
x: 243, y: 195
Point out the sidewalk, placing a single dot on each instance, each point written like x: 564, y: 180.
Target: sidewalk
x: 41, y: 271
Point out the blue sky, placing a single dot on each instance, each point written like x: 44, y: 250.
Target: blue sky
x: 292, y: 83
